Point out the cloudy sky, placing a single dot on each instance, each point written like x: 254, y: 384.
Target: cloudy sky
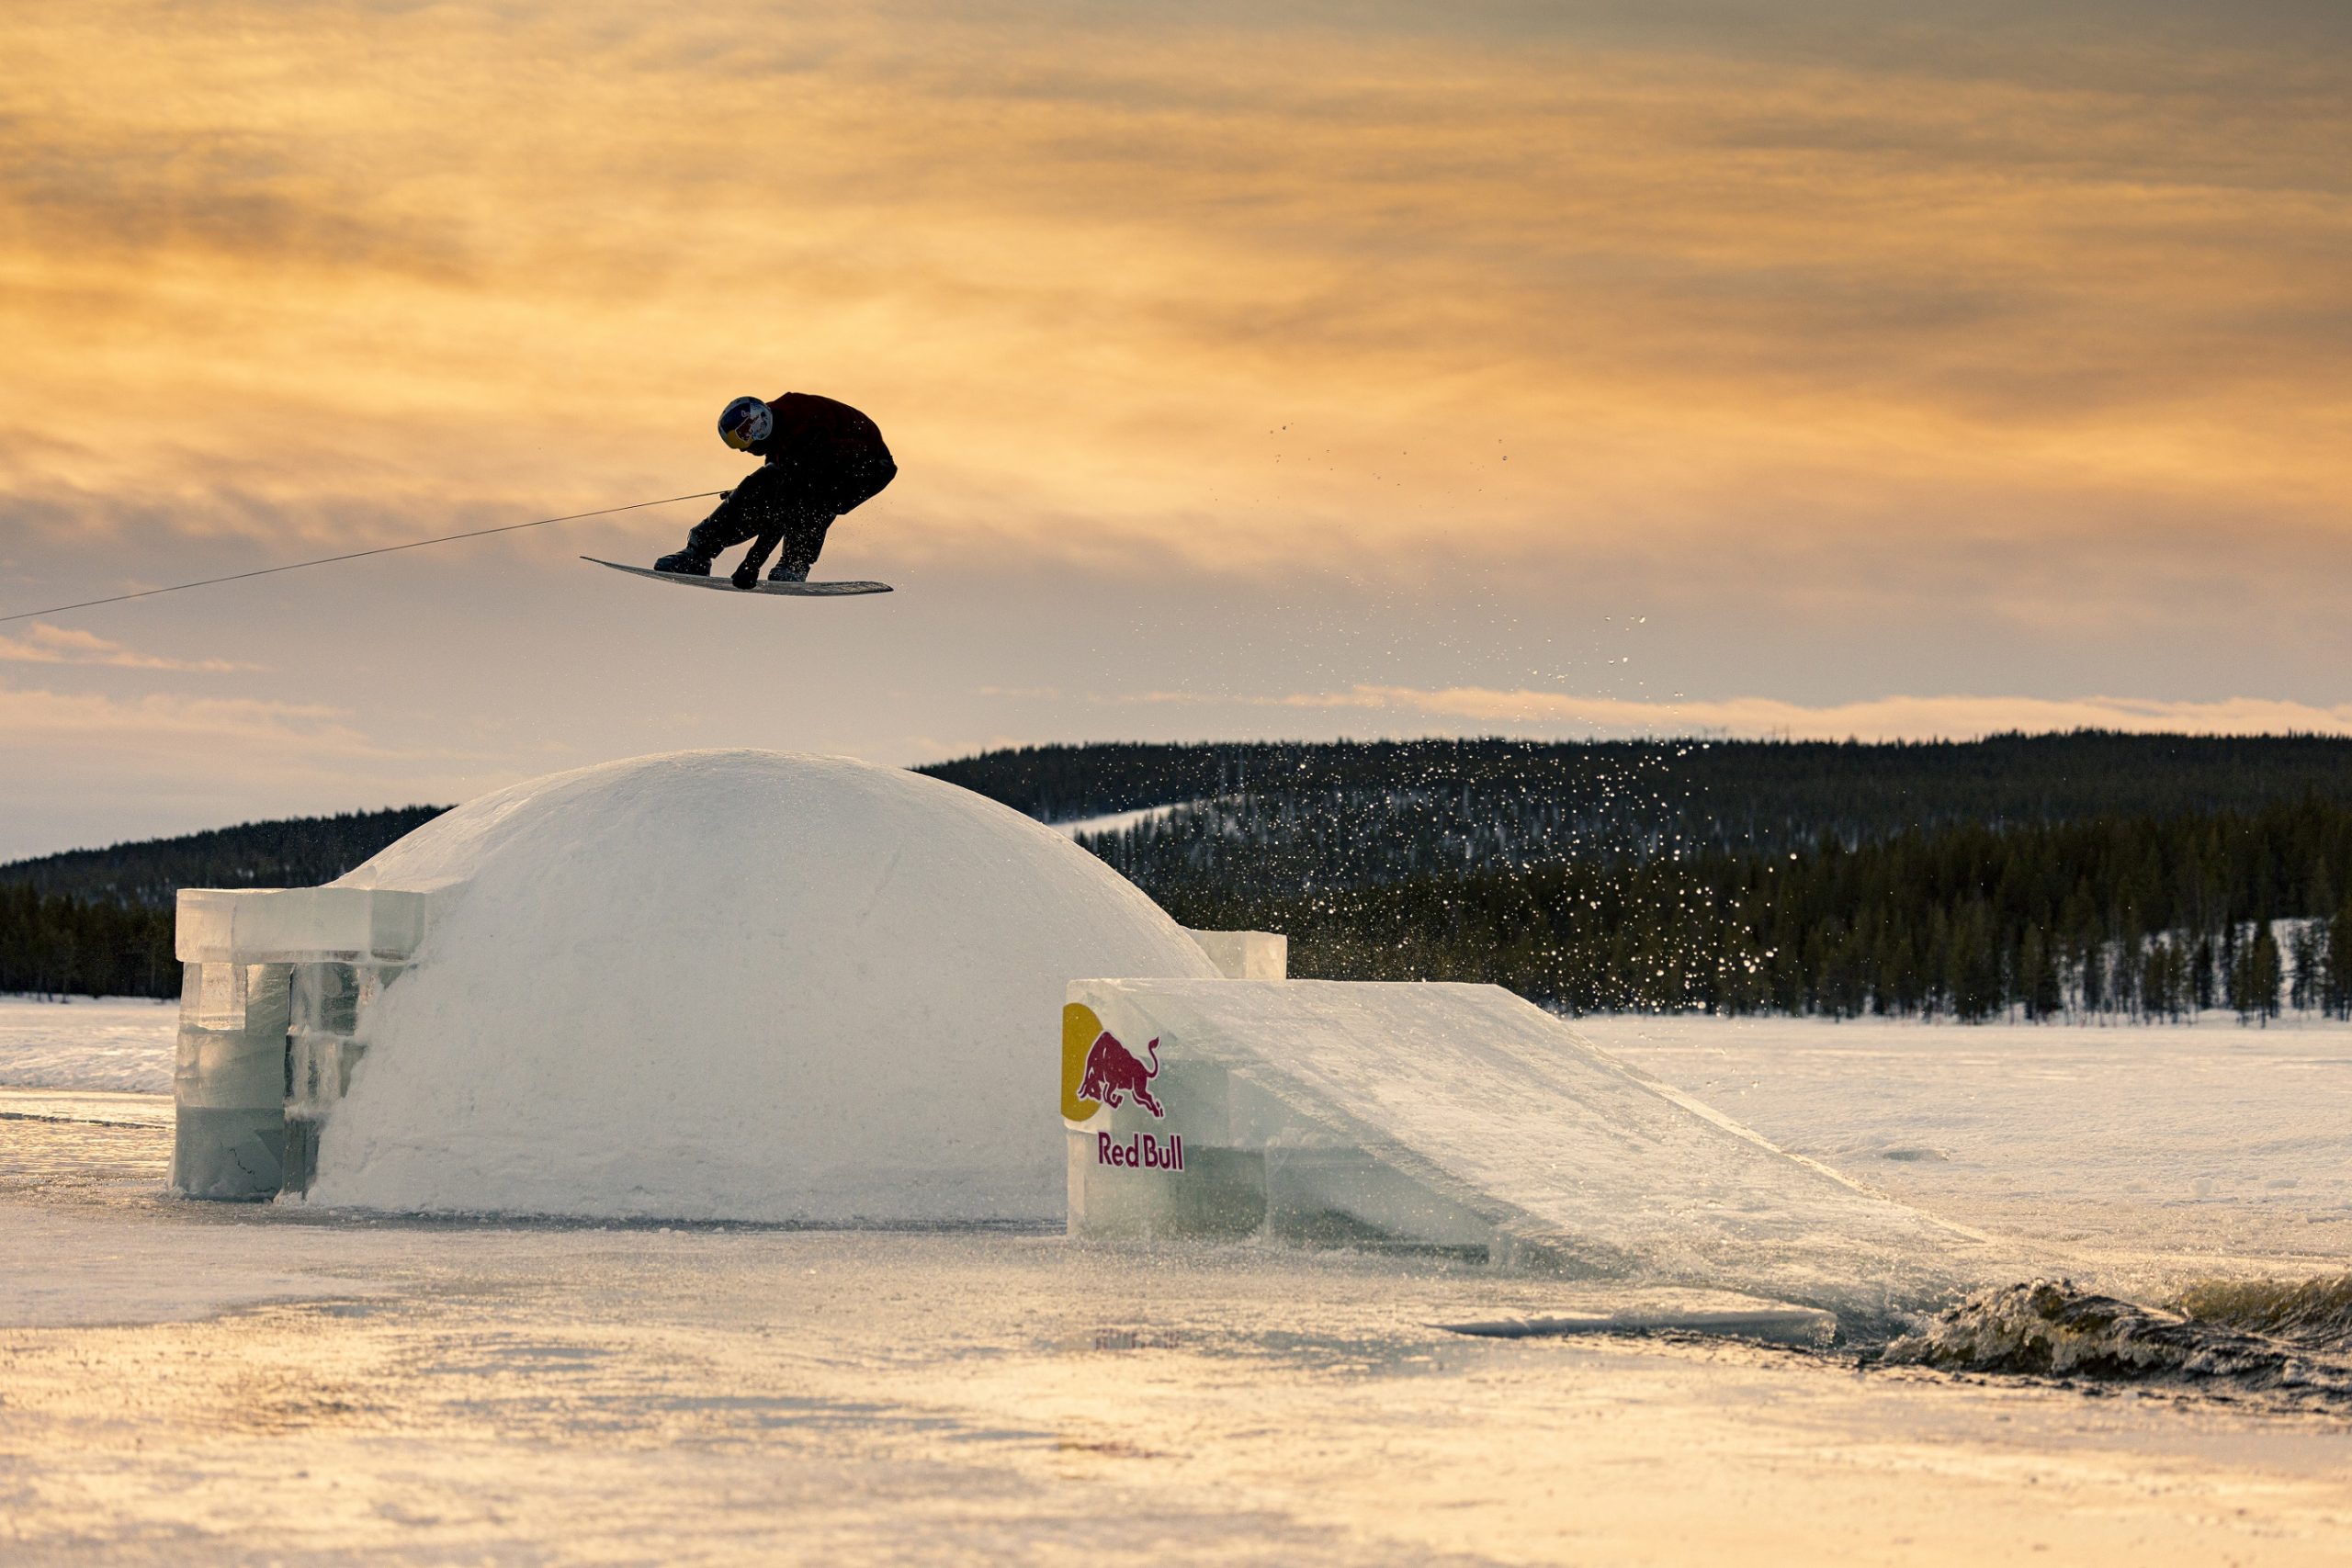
x: 1817, y: 366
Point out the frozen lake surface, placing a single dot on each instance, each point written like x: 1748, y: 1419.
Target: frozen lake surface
x: 188, y: 1383
x: 2136, y: 1153
x: 112, y: 1043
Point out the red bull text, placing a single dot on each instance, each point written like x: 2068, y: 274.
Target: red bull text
x: 1140, y: 1151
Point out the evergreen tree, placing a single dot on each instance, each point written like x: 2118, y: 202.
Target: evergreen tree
x: 2337, y: 985
x: 2254, y: 976
x: 2160, y: 981
x: 2306, y: 959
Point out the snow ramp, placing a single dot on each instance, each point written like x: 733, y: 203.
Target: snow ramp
x: 1459, y: 1120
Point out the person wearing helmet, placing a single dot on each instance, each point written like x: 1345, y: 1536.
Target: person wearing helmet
x: 823, y: 458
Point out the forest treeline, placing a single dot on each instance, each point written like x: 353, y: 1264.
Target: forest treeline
x: 2086, y: 874
x: 297, y: 852
x: 99, y: 922
x: 2144, y: 918
x: 1562, y: 799
x: 56, y: 944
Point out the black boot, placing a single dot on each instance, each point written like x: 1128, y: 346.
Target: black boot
x: 685, y: 563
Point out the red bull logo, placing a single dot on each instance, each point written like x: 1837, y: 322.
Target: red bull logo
x: 1140, y: 1151
x: 1114, y: 1074
x: 1097, y: 1068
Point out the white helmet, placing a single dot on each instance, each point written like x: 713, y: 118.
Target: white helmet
x: 746, y: 423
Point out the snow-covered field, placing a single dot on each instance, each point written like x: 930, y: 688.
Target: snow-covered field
x: 199, y: 1383
x: 1115, y: 821
x: 113, y: 1042
x: 2140, y: 1150
x: 519, y: 1394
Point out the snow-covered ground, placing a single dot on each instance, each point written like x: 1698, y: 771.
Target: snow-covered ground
x: 538, y: 1394
x: 426, y: 1392
x: 112, y: 1043
x: 1120, y: 822
x: 2144, y: 1150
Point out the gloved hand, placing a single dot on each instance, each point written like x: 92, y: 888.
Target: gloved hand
x: 746, y: 575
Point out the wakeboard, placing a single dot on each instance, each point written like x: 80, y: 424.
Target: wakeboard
x: 795, y: 590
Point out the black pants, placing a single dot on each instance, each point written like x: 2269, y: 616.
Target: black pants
x: 793, y: 510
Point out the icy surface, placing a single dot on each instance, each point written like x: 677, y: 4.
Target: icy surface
x: 2147, y: 1153
x: 112, y: 1043
x: 520, y: 1393
x: 734, y: 985
x: 2151, y: 1153
x: 427, y: 1392
x: 64, y: 1269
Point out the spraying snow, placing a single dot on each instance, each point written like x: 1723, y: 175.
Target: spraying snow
x: 740, y: 985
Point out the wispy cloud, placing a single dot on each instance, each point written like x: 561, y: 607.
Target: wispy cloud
x: 1256, y: 286
x: 92, y: 767
x: 1862, y: 345
x: 45, y: 644
x: 160, y: 724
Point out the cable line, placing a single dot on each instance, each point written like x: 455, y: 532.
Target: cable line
x: 355, y: 555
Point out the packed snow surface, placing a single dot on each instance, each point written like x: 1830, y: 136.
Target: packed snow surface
x: 104, y: 1043
x: 739, y: 985
x: 518, y: 1392
x: 2211, y: 1142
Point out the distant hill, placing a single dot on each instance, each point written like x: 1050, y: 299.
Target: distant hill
x: 99, y: 922
x: 298, y: 852
x: 1760, y: 794
x: 1562, y: 794
x: 2053, y: 876
x: 2091, y: 872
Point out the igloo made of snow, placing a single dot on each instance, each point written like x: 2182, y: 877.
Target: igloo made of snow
x: 708, y: 984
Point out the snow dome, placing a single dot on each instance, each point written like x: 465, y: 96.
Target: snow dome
x: 735, y: 984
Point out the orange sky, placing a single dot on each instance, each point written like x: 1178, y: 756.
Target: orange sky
x: 1890, y: 317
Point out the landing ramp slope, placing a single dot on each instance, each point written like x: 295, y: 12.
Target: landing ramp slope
x: 1500, y: 1112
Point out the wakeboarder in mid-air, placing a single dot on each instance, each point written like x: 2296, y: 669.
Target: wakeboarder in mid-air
x: 823, y: 458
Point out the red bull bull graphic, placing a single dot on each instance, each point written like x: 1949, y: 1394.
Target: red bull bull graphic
x: 1099, y: 1069
x: 1114, y: 1074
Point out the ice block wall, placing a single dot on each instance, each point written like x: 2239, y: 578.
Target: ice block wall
x: 229, y: 1084
x: 1460, y: 1120
x: 274, y: 1000
x: 1246, y: 956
